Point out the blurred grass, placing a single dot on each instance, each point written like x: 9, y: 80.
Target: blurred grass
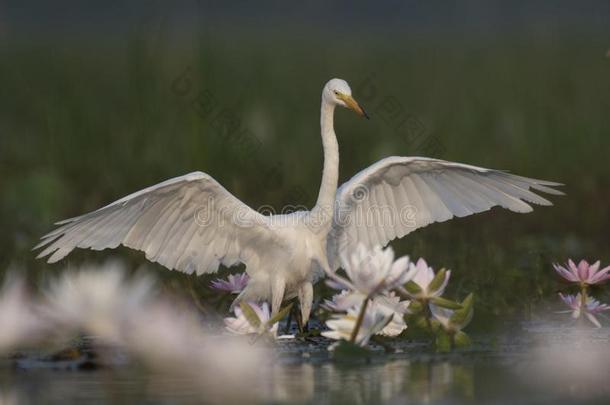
x: 85, y: 125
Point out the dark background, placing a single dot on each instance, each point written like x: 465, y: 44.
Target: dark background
x: 99, y: 99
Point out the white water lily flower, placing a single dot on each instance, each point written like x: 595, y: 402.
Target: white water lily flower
x: 372, y: 271
x: 389, y: 304
x: 395, y: 327
x: 423, y: 276
x: 343, y: 301
x: 374, y: 321
x: 239, y: 325
x: 592, y: 307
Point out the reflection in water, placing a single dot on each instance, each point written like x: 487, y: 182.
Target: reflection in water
x: 294, y: 383
x: 396, y: 380
x: 399, y: 380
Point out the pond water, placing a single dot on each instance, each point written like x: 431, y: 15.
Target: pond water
x: 535, y: 364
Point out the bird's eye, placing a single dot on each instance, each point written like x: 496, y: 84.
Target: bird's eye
x: 336, y: 92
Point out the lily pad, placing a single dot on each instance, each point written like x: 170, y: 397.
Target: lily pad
x: 348, y: 351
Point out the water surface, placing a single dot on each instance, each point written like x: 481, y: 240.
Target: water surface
x: 537, y: 363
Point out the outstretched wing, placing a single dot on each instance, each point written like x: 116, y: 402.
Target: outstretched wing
x: 188, y: 223
x: 398, y: 195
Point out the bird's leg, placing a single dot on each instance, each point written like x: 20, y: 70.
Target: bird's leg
x: 277, y: 294
x: 289, y: 321
x: 305, y: 295
x: 300, y: 327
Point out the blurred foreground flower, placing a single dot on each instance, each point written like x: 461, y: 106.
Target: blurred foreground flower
x: 372, y: 320
x: 371, y: 272
x: 128, y: 313
x: 583, y: 274
x: 19, y: 323
x: 172, y: 341
x: 591, y: 307
x: 425, y: 284
x: 100, y: 301
x: 234, y: 284
x: 9, y: 397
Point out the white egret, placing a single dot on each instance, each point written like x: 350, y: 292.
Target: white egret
x: 192, y: 224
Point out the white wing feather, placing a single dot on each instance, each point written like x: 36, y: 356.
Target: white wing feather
x: 188, y: 223
x: 398, y: 195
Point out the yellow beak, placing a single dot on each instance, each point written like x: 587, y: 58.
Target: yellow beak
x: 353, y: 104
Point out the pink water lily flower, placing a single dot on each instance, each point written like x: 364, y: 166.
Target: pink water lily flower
x: 591, y: 308
x: 584, y: 273
x: 234, y: 283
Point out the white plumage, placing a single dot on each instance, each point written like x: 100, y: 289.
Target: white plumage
x: 192, y: 224
x: 398, y: 195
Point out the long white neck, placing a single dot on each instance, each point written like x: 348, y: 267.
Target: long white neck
x: 323, y: 211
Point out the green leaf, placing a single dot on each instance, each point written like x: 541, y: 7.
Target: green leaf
x: 413, y: 288
x: 250, y: 314
x: 443, y: 341
x: 348, y: 351
x: 461, y: 340
x: 429, y: 326
x: 420, y: 322
x: 280, y: 315
x: 437, y: 281
x: 462, y: 317
x: 383, y: 341
x: 310, y: 333
x: 415, y: 307
x: 445, y: 303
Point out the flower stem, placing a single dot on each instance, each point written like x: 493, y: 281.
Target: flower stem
x: 359, y: 320
x: 583, y: 297
x: 427, y: 314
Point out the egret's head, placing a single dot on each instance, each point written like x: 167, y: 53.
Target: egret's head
x: 337, y: 92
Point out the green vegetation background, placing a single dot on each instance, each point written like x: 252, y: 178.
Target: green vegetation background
x: 83, y: 124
